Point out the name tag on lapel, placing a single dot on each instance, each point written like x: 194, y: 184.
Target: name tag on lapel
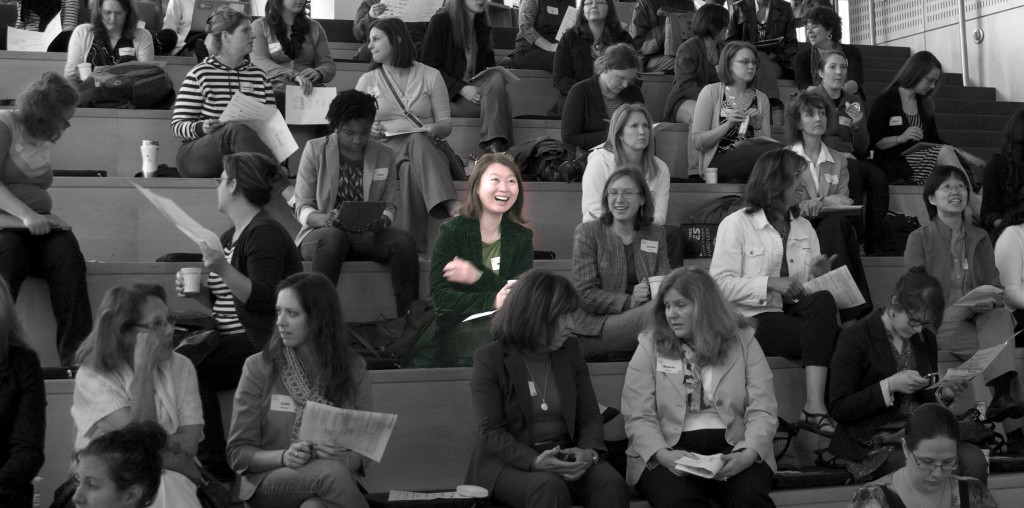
x: 896, y: 120
x: 553, y: 10
x: 282, y: 403
x: 246, y: 87
x: 274, y: 47
x: 649, y: 246
x: 380, y: 174
x: 496, y: 264
x: 670, y: 366
x: 126, y: 51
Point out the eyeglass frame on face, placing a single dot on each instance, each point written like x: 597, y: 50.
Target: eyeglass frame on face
x: 746, y: 62
x: 626, y: 194
x: 914, y: 321
x: 171, y: 320
x: 932, y: 465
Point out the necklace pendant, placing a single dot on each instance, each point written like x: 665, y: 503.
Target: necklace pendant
x: 543, y: 406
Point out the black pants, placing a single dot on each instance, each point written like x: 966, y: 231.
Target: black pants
x: 736, y: 165
x: 748, y: 489
x: 534, y: 58
x: 56, y: 258
x: 600, y: 487
x: 675, y: 239
x: 837, y: 237
x: 870, y: 187
x: 806, y: 330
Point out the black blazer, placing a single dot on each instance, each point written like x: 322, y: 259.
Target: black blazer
x: 265, y: 253
x: 885, y: 108
x: 501, y: 403
x: 781, y: 23
x: 441, y: 53
x: 573, y: 60
x: 862, y: 359
x: 584, y: 118
x: 22, y: 421
x: 693, y: 71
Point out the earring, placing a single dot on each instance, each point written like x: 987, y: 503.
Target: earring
x: 830, y: 36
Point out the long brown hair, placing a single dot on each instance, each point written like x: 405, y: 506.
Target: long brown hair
x: 462, y: 24
x: 131, y: 19
x: 109, y: 346
x: 40, y: 106
x: 613, y: 144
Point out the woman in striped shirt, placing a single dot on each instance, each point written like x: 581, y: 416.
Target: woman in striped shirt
x: 208, y: 89
x: 254, y: 256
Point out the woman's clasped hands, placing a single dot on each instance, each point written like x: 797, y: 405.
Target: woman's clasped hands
x: 548, y: 461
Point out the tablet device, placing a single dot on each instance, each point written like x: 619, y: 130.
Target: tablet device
x: 356, y: 216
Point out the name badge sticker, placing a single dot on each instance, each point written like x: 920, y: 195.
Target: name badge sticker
x: 246, y: 87
x: 380, y: 174
x: 496, y: 263
x: 274, y: 47
x: 553, y: 10
x: 845, y: 122
x: 282, y: 403
x: 533, y: 388
x: 126, y: 51
x: 670, y: 366
x: 896, y: 120
x: 649, y: 246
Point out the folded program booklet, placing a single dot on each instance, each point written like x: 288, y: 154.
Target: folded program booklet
x: 8, y: 221
x: 705, y: 466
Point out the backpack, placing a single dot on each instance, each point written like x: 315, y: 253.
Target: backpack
x: 543, y: 159
x: 135, y: 85
x: 700, y: 234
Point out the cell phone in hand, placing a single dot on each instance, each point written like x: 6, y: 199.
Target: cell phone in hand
x: 565, y: 457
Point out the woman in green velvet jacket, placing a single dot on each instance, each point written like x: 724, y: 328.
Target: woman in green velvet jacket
x: 476, y: 258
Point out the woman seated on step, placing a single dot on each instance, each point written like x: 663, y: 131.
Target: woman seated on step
x: 348, y: 166
x: 597, y: 29
x: 539, y: 21
x: 880, y: 376
x: 412, y: 110
x: 764, y: 254
x: 122, y: 468
x: 696, y: 61
x: 307, y: 360
x: 847, y: 133
x: 129, y: 373
x: 613, y: 259
x: 824, y: 31
x: 647, y: 27
x: 591, y: 102
x: 1003, y: 180
x: 477, y: 257
x: 244, y: 269
x: 208, y: 89
x: 541, y: 446
x: 902, y: 118
x: 961, y: 257
x: 761, y: 21
x: 111, y: 37
x: 291, y: 48
x: 458, y: 44
x: 699, y: 384
x: 729, y: 114
x: 826, y: 184
x: 931, y: 443
x: 368, y: 12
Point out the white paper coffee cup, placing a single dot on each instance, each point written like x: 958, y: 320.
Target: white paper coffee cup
x: 191, y: 280
x: 655, y: 282
x: 711, y: 175
x: 84, y: 70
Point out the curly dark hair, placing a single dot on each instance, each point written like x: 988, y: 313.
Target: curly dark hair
x: 132, y: 455
x: 806, y: 101
x: 351, y: 105
x: 828, y: 19
x: 292, y: 46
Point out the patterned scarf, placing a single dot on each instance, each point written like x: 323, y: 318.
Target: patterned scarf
x: 296, y: 381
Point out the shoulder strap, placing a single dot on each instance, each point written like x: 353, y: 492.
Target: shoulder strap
x: 398, y: 98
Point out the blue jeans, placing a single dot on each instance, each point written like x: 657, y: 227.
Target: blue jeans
x: 201, y: 158
x: 329, y: 480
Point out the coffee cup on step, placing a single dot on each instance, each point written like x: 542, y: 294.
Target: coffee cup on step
x: 84, y: 70
x: 711, y: 175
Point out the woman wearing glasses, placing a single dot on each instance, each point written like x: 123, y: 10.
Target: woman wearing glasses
x: 880, y: 375
x: 254, y: 255
x: 961, y: 257
x: 591, y: 102
x: 930, y: 449
x: 34, y: 242
x: 128, y: 372
x: 612, y: 258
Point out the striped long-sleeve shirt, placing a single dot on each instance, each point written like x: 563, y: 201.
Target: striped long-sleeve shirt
x: 208, y: 89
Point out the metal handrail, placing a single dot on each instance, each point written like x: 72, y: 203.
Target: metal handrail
x: 871, y: 21
x: 963, y: 41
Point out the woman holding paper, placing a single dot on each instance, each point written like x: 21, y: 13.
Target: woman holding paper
x: 477, y: 257
x: 129, y: 373
x: 458, y: 44
x: 764, y: 254
x: 206, y: 92
x: 961, y: 257
x: 412, y: 111
x: 291, y: 48
x: 880, y: 375
x: 699, y: 384
x: 540, y: 433
x: 592, y: 102
x: 34, y: 242
x: 826, y: 184
x: 307, y: 359
x: 252, y: 257
x: 111, y: 38
x: 539, y: 21
x: 612, y: 260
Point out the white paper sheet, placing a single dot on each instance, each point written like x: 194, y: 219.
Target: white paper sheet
x: 402, y: 495
x: 412, y: 11
x: 840, y: 283
x: 265, y: 119
x: 363, y: 432
x: 182, y: 220
x: 309, y: 109
x: 961, y: 309
x: 26, y: 40
x: 972, y: 367
x: 479, y: 315
x: 705, y: 466
x: 568, y: 21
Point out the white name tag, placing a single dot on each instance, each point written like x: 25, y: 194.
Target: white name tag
x: 670, y: 366
x: 126, y: 51
x: 246, y: 87
x: 533, y: 388
x: 845, y: 122
x: 380, y: 174
x: 649, y: 246
x: 496, y: 263
x: 274, y: 47
x: 553, y: 10
x: 282, y: 403
x: 896, y: 120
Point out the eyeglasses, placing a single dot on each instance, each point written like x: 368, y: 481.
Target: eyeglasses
x: 931, y: 465
x: 745, y: 62
x: 614, y: 194
x: 158, y: 326
x: 916, y: 322
x: 948, y: 189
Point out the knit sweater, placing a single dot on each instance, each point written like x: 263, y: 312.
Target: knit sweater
x: 208, y: 89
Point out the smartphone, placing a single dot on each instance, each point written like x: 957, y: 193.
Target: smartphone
x: 565, y: 457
